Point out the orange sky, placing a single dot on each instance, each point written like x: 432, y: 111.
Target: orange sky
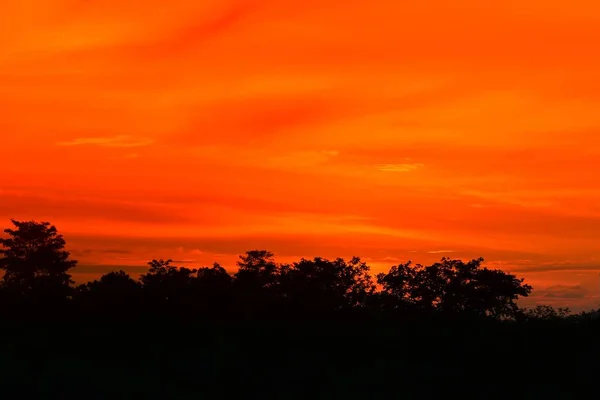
x: 393, y: 130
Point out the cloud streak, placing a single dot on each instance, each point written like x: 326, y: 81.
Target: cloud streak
x: 558, y: 267
x: 398, y: 167
x: 114, y: 141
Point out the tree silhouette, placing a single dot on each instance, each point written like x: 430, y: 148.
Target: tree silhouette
x: 212, y: 288
x: 452, y: 287
x: 547, y: 313
x: 166, y: 284
x: 324, y: 285
x: 399, y: 287
x: 257, y: 270
x: 256, y: 282
x: 35, y: 263
x: 114, y: 292
x: 36, y: 267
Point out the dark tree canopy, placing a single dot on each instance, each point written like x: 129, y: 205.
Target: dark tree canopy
x: 257, y: 270
x: 116, y: 281
x: 165, y: 283
x: 547, y: 313
x: 453, y: 286
x: 34, y: 261
x: 321, y: 284
x: 213, y: 285
x: 115, y: 290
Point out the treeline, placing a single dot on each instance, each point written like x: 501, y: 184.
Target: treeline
x: 37, y: 276
x: 317, y: 327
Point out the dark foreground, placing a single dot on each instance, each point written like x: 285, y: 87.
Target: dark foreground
x: 168, y: 358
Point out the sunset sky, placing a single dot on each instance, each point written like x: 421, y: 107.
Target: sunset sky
x: 391, y: 130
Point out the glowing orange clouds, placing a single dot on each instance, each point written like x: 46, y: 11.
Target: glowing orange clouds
x: 391, y: 130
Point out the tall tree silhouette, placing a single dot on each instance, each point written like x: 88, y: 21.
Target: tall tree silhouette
x: 35, y: 263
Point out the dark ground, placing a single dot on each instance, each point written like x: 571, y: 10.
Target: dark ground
x: 173, y: 359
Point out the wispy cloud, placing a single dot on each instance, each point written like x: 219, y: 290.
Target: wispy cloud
x: 398, y: 167
x: 563, y: 291
x: 33, y: 205
x: 303, y: 159
x: 516, y: 198
x: 440, y: 251
x: 477, y: 205
x: 389, y: 258
x: 540, y: 266
x: 114, y: 141
x: 557, y: 267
